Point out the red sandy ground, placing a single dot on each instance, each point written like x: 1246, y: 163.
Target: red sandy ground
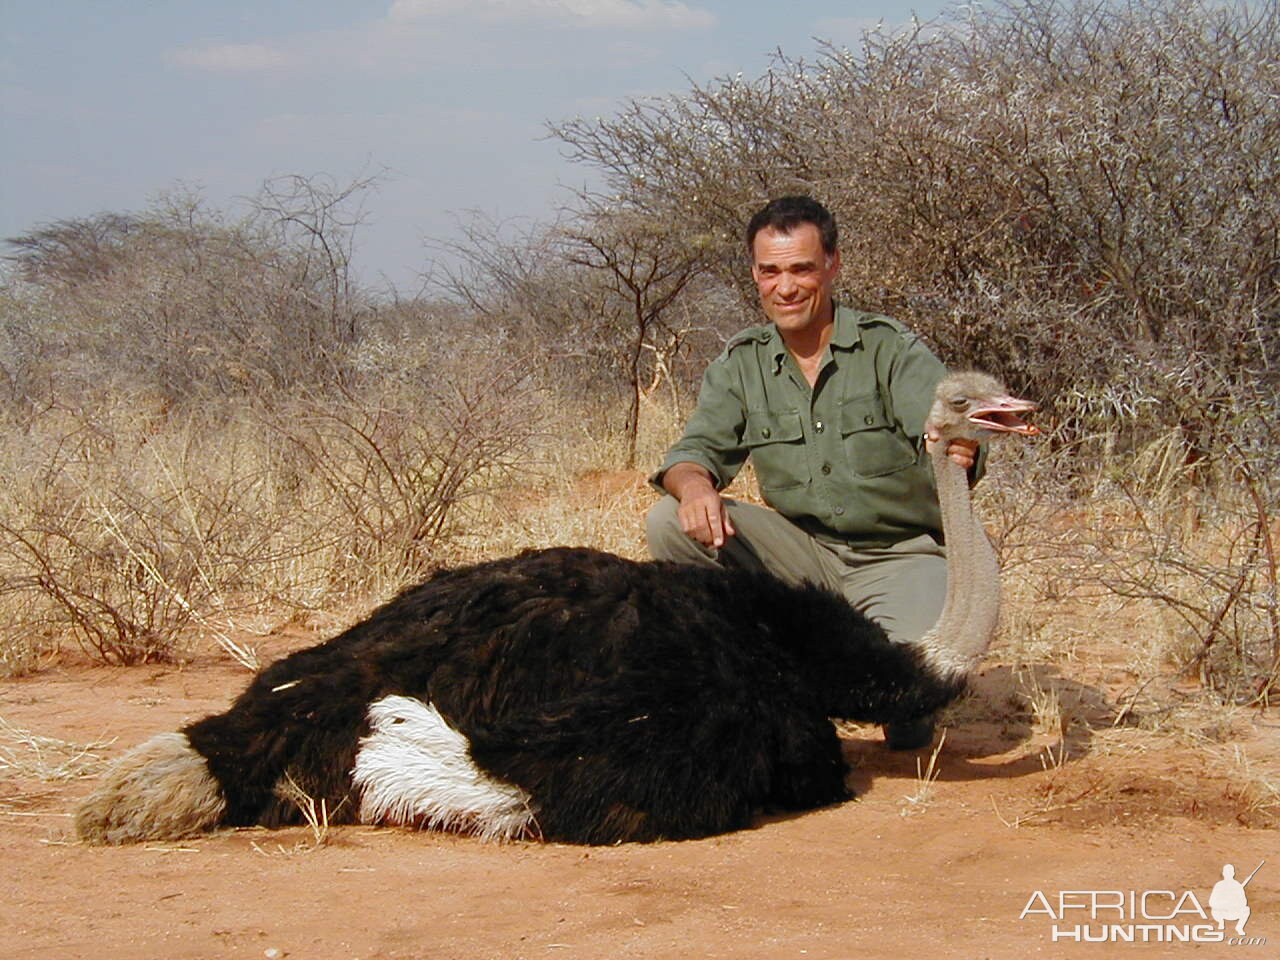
x: 868, y: 879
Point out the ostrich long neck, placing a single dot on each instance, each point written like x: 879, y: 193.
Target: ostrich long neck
x: 972, y: 607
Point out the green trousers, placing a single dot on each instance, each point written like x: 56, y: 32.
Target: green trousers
x: 902, y: 587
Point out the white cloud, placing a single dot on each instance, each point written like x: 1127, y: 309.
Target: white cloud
x: 445, y: 30
x: 629, y: 14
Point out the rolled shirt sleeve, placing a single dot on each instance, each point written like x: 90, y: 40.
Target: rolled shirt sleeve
x: 713, y: 437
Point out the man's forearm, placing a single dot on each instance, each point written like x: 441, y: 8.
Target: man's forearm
x: 702, y: 513
x: 685, y: 479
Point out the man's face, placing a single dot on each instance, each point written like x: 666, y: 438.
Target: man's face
x: 794, y: 277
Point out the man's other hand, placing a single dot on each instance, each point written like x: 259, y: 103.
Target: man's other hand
x: 961, y: 450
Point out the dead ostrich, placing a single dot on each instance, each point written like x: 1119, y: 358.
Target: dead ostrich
x: 575, y: 696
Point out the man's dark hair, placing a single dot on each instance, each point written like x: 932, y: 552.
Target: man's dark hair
x: 786, y: 213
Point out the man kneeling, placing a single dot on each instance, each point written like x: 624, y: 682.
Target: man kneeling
x: 829, y: 403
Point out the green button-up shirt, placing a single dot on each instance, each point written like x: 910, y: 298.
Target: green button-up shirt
x: 844, y: 460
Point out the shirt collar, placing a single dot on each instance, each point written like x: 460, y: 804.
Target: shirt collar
x: 847, y: 333
x: 846, y: 336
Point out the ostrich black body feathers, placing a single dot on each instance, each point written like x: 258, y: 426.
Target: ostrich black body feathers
x: 630, y: 700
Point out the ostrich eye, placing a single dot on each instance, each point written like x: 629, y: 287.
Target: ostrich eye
x: 959, y: 403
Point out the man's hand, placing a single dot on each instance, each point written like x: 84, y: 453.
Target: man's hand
x: 704, y: 518
x: 703, y: 515
x: 961, y: 450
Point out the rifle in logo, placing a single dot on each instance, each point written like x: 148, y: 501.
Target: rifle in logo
x: 1228, y: 900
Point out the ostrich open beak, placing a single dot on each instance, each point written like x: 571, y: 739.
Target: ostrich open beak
x: 1001, y: 415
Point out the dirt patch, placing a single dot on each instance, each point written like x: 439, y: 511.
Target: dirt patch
x: 941, y: 866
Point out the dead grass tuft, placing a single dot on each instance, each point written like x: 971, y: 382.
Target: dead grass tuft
x: 926, y: 782
x: 316, y: 813
x: 31, y: 756
x: 1254, y: 782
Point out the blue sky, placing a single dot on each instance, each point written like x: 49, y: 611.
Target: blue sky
x: 106, y: 104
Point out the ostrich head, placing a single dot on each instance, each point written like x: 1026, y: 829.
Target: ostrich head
x: 972, y: 404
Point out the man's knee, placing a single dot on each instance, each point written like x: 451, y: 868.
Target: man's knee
x: 903, y: 588
x: 667, y: 541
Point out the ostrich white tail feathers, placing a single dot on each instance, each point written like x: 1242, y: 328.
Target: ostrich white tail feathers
x: 159, y: 790
x: 414, y: 769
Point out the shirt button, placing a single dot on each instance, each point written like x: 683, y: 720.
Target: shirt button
x: 826, y: 468
x: 868, y: 420
x: 766, y: 433
x: 819, y: 426
x: 839, y: 511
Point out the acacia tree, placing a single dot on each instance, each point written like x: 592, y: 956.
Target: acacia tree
x: 602, y: 290
x: 317, y: 218
x: 202, y: 416
x: 1081, y: 196
x: 187, y: 300
x: 642, y: 267
x: 75, y: 250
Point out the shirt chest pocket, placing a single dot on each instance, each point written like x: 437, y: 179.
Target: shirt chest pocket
x: 873, y: 444
x: 776, y: 443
